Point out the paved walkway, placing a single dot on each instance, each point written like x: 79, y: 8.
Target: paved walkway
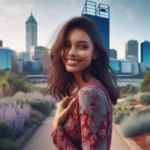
x: 41, y: 140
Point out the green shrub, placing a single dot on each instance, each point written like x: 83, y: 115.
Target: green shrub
x: 6, y: 132
x: 7, y: 144
x: 130, y: 99
x: 119, y: 117
x: 135, y: 125
x: 124, y: 106
x: 35, y: 116
x: 40, y: 105
x: 148, y: 140
x: 145, y: 99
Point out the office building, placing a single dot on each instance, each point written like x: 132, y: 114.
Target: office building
x: 31, y: 32
x: 1, y: 43
x: 25, y: 56
x: 8, y: 58
x: 145, y: 53
x: 39, y: 54
x: 100, y: 14
x: 131, y: 49
x: 115, y: 65
x: 113, y: 53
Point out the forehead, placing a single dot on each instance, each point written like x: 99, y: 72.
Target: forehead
x: 78, y: 35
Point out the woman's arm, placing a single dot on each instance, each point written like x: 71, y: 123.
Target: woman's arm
x: 61, y: 141
x: 93, y: 108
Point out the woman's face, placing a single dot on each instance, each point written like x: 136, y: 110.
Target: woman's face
x: 78, y: 51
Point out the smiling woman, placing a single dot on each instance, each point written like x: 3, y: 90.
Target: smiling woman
x: 80, y: 80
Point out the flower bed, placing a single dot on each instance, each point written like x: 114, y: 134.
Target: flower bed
x: 22, y: 111
x: 140, y: 140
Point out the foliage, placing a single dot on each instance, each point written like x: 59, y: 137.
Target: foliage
x: 15, y: 114
x: 36, y: 116
x: 145, y: 85
x: 124, y: 106
x: 119, y: 117
x: 129, y: 98
x: 6, y: 132
x: 40, y: 105
x: 10, y: 83
x: 144, y: 98
x: 8, y: 144
x: 135, y: 125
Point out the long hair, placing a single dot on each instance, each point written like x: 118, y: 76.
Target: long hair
x: 61, y: 83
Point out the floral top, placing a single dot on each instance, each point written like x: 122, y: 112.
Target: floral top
x: 89, y: 126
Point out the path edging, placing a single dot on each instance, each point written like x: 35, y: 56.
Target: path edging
x: 23, y: 140
x: 132, y: 145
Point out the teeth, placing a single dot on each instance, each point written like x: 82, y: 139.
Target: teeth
x: 72, y: 61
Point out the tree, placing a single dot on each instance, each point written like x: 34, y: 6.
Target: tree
x: 145, y: 85
x: 10, y: 83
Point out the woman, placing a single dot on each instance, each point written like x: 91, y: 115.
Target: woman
x: 80, y: 80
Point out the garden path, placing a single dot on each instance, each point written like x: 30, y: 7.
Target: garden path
x: 41, y: 139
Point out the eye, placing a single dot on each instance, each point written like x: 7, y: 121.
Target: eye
x: 83, y: 47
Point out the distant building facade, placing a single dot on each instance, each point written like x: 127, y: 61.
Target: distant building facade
x: 131, y: 48
x: 100, y: 14
x: 145, y: 53
x: 25, y: 56
x: 31, y: 32
x: 113, y: 53
x: 39, y: 54
x: 115, y: 65
x: 1, y: 43
x: 8, y: 58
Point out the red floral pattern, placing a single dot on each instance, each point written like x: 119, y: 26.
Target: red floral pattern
x: 89, y: 126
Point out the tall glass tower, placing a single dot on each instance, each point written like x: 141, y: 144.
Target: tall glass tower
x: 100, y: 14
x: 145, y: 53
x: 31, y: 33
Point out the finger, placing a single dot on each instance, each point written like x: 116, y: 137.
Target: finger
x: 66, y: 100
x: 69, y: 108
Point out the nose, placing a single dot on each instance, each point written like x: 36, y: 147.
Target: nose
x: 73, y: 51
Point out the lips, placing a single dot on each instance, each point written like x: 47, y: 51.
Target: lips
x: 72, y: 62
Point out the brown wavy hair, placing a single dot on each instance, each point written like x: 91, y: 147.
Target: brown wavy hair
x: 61, y: 83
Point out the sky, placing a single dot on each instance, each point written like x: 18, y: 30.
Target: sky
x: 129, y: 19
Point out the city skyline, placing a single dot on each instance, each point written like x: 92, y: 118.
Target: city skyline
x: 128, y: 20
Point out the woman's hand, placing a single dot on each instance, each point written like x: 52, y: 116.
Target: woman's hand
x: 63, y: 110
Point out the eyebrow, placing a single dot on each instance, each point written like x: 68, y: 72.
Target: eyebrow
x: 79, y: 41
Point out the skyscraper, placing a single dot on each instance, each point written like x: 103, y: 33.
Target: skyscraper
x: 131, y: 49
x: 31, y: 32
x: 1, y: 43
x: 145, y: 53
x: 113, y: 53
x: 100, y: 14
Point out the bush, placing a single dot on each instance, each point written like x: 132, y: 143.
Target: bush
x: 129, y: 98
x: 7, y: 144
x: 119, y: 117
x: 6, y: 132
x: 145, y: 99
x: 124, y: 106
x: 15, y: 114
x: 135, y: 125
x: 148, y: 140
x: 36, y: 116
x: 40, y: 105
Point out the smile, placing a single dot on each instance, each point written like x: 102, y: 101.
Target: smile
x: 72, y: 62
